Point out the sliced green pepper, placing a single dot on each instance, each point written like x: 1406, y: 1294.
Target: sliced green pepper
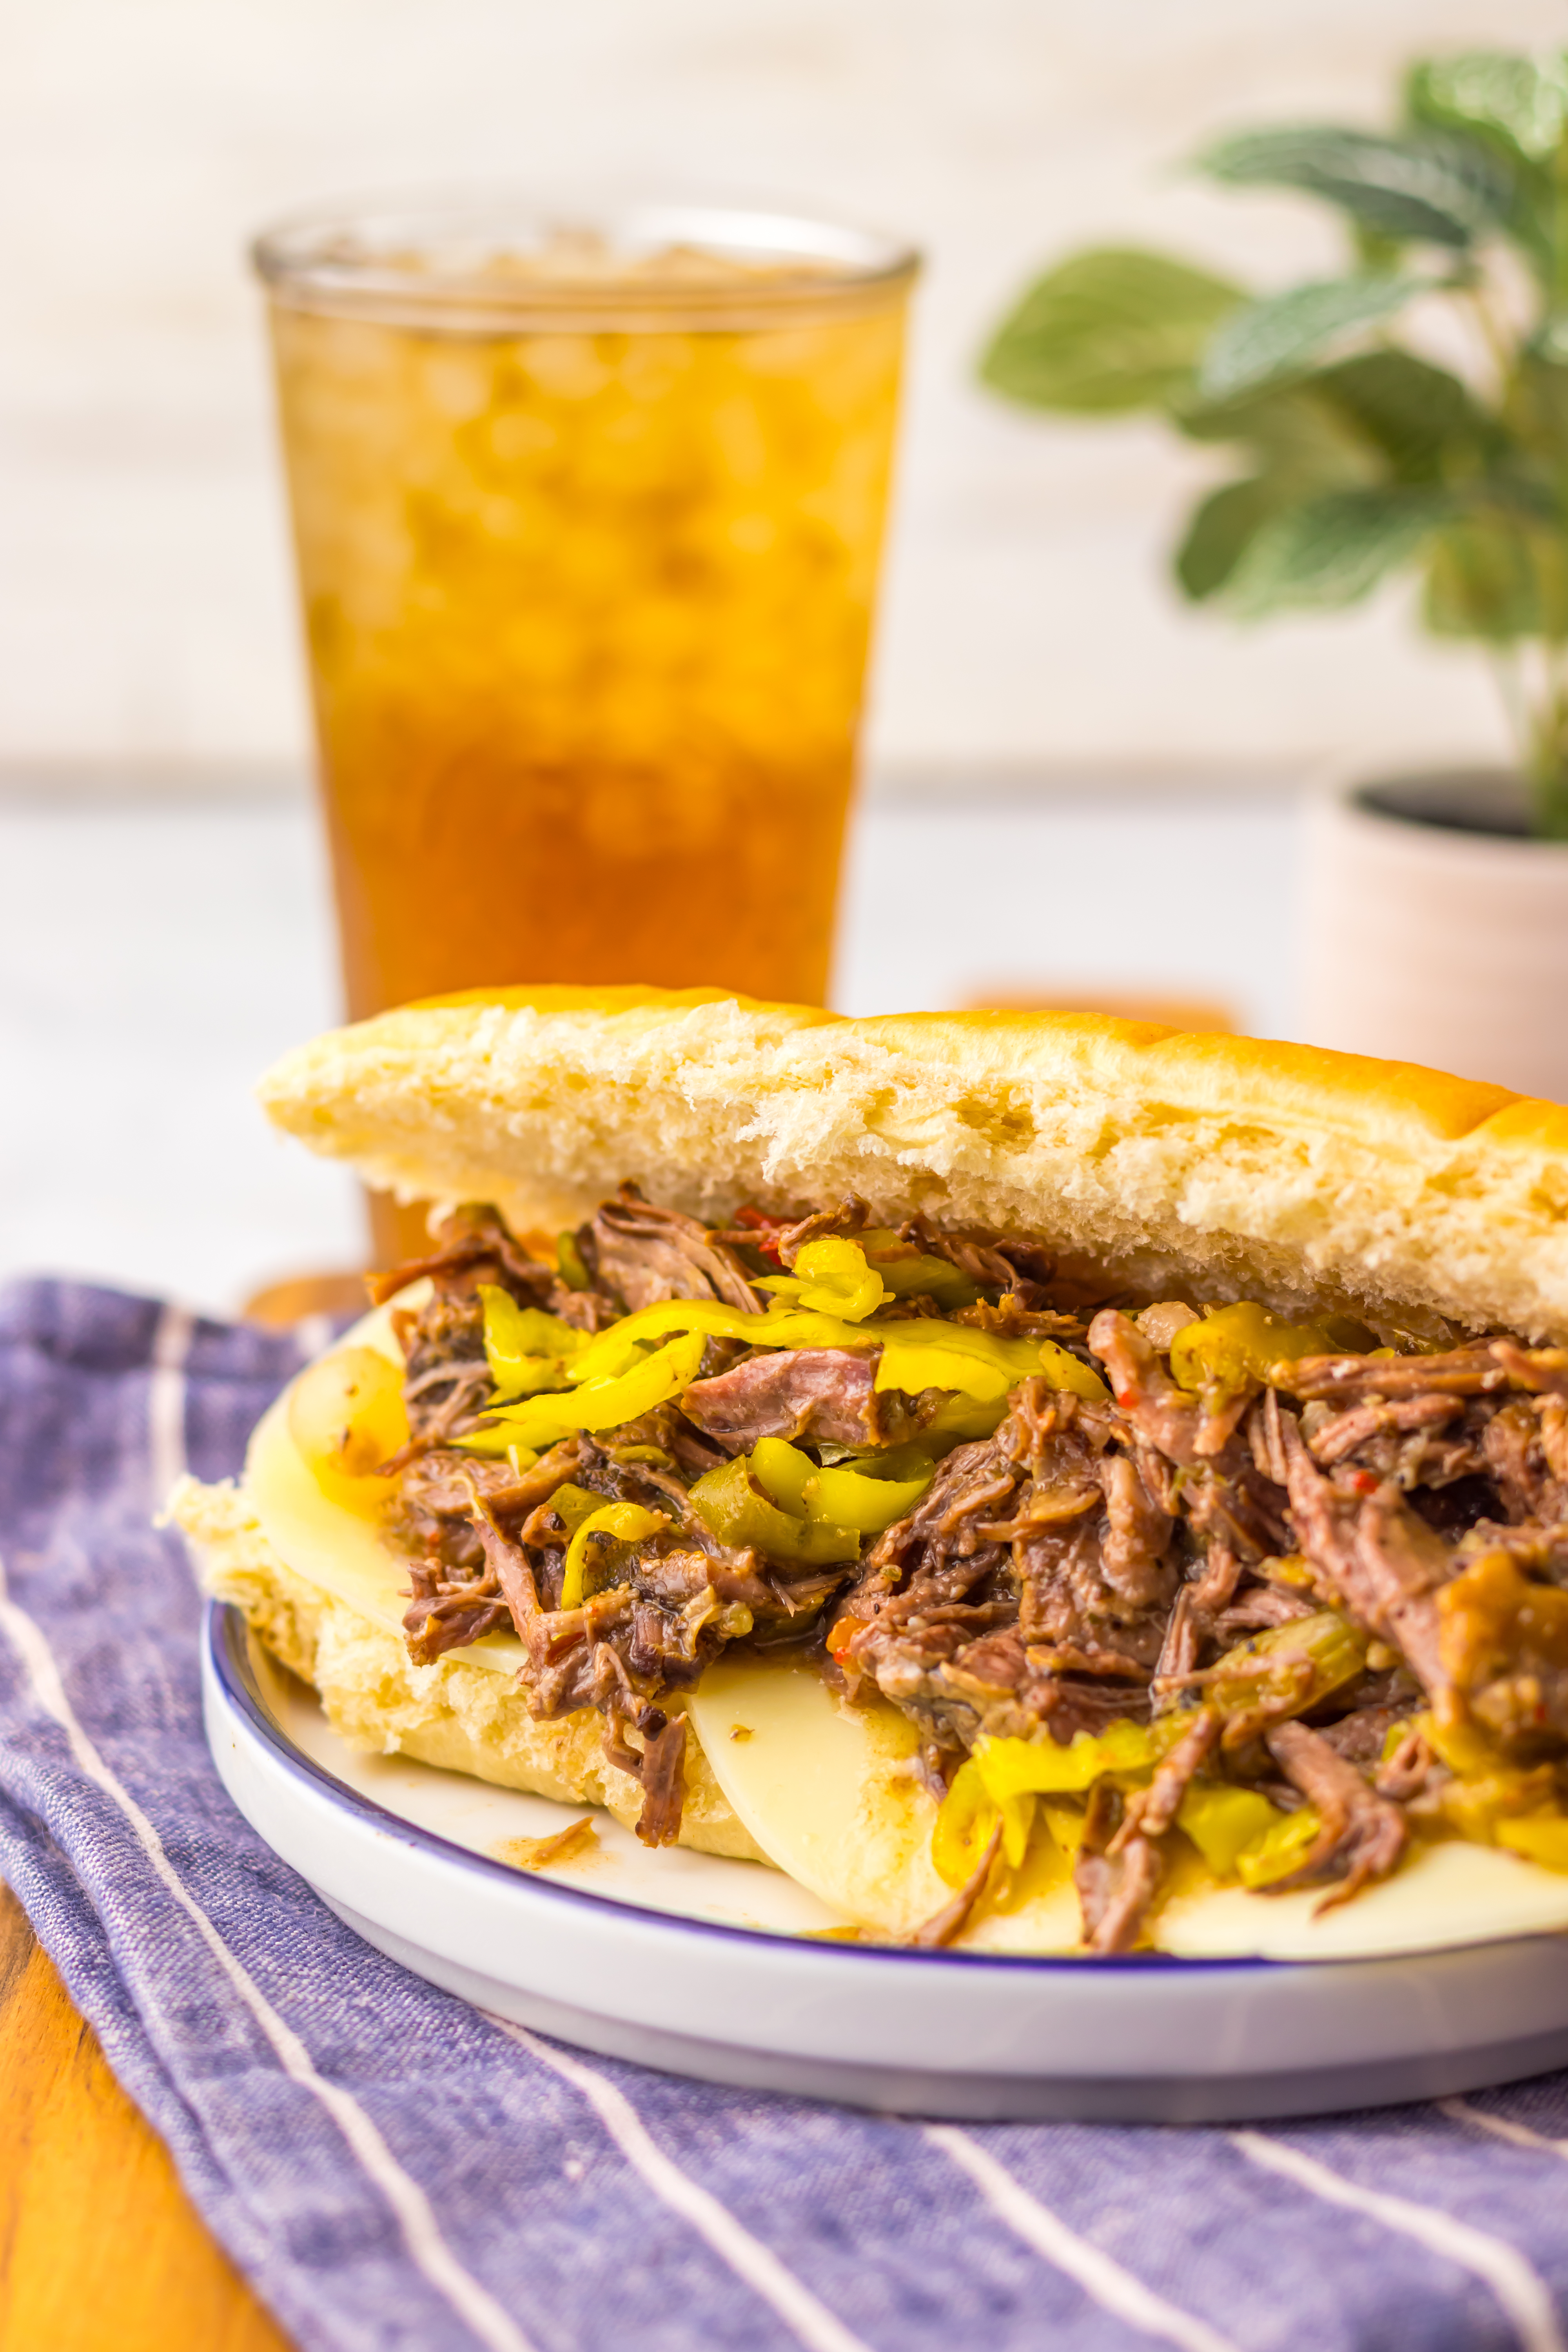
x: 605, y: 1529
x: 1267, y: 1670
x: 539, y: 1421
x: 527, y: 1349
x: 572, y: 1505
x: 731, y: 1502
x: 846, y: 1498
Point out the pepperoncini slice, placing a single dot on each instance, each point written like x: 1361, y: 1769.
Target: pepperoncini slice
x: 1237, y: 1832
x: 613, y: 1350
x: 1003, y: 1778
x: 1487, y: 1793
x: 959, y: 1419
x: 605, y: 1404
x: 572, y: 1505
x: 1012, y: 1767
x: 1063, y: 1370
x: 1225, y: 1822
x: 527, y: 1349
x: 1539, y: 1837
x: 965, y: 1820
x: 1292, y: 1665
x: 977, y: 1368
x: 1234, y: 1345
x: 1492, y: 1618
x: 831, y: 1277
x: 569, y: 1262
x: 907, y: 1270
x: 1280, y: 1850
x: 977, y: 1364
x: 610, y: 1352
x: 735, y: 1506
x: 346, y: 1416
x: 604, y: 1531
x: 861, y: 1498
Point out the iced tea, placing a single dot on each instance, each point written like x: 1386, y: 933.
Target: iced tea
x: 587, y: 530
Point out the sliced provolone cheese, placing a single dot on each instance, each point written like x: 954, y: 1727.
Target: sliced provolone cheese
x: 1445, y: 1895
x: 331, y: 1546
x: 825, y: 1789
x: 816, y: 1783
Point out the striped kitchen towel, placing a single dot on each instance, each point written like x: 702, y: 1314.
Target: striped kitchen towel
x: 393, y: 2170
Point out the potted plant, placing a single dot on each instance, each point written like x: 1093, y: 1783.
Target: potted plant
x: 1437, y: 904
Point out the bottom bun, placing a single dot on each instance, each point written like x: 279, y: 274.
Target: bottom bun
x: 462, y: 1717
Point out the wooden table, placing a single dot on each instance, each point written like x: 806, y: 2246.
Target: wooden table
x: 100, y: 2249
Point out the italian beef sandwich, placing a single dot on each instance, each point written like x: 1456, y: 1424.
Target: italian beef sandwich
x: 1047, y: 1483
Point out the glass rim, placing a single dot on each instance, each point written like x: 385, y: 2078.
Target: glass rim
x: 357, y: 259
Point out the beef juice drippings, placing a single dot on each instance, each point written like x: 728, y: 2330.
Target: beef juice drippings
x: 587, y: 615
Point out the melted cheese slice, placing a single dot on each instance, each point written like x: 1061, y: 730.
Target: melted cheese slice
x: 817, y: 1782
x: 823, y: 1787
x: 1445, y: 1895
x: 324, y: 1541
x: 819, y: 1786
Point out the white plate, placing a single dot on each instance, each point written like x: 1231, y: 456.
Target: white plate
x: 711, y: 1968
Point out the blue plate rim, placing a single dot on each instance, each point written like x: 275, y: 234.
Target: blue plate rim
x: 225, y: 1637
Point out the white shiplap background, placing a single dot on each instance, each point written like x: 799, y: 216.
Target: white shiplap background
x: 144, y: 607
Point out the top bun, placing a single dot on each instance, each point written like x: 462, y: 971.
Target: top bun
x: 1220, y: 1166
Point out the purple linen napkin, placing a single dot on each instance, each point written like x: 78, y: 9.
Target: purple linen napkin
x: 391, y: 2169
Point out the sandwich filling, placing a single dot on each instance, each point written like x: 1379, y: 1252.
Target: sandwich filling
x: 1136, y: 1574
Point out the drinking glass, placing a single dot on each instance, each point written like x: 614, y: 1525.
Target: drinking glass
x: 587, y: 518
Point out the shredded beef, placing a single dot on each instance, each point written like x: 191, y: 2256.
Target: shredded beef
x: 822, y: 1394
x: 1169, y: 1418
x: 645, y: 1255
x: 1119, y: 1865
x: 1117, y: 1881
x: 1360, y: 1737
x: 851, y: 1216
x: 950, y: 1922
x: 474, y: 1243
x: 1089, y: 1563
x: 1484, y: 1368
x: 663, y: 1784
x: 1370, y: 1554
x: 1362, y: 1833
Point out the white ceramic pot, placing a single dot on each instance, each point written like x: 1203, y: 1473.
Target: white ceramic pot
x: 1428, y: 937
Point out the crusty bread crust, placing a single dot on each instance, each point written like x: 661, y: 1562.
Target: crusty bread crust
x: 464, y: 1717
x: 1224, y: 1165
